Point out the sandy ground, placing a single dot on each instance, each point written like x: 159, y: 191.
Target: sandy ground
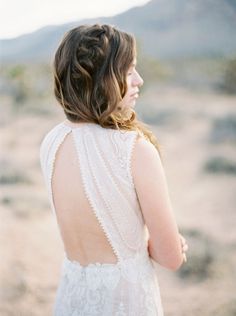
x: 204, y: 203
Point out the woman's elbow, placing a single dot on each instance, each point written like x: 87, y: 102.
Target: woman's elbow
x: 174, y: 266
x: 172, y: 263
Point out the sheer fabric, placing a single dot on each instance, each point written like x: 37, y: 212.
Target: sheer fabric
x: 130, y: 286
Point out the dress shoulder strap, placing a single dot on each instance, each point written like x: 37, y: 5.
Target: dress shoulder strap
x: 48, y: 149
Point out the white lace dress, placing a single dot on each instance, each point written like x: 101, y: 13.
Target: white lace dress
x: 130, y: 286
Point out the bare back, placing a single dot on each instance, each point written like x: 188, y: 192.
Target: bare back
x: 84, y: 239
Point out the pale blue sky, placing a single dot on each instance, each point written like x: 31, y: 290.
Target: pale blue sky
x: 18, y: 17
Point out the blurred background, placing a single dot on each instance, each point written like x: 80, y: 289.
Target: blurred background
x: 187, y: 57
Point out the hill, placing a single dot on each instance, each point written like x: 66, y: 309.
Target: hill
x: 166, y: 29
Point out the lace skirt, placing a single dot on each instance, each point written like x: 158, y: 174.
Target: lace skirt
x: 127, y: 288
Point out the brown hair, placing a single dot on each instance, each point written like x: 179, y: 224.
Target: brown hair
x: 90, y: 69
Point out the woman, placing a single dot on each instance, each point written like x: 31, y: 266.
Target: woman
x: 106, y: 183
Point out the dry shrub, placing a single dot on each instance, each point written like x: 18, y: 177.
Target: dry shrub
x: 201, y: 255
x: 220, y: 165
x: 223, y: 129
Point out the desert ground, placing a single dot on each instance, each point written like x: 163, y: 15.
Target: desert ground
x: 197, y: 134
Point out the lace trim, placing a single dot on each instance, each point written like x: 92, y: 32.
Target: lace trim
x: 86, y: 190
x: 137, y: 269
x: 130, y: 154
x: 135, y: 230
x: 130, y: 288
x: 135, y: 226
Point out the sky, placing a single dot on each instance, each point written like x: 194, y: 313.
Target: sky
x: 18, y: 17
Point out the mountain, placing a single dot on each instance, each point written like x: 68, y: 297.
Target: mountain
x: 165, y: 29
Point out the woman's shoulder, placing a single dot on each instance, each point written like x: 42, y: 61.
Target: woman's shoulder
x: 144, y: 150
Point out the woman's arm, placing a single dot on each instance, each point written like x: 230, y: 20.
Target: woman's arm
x: 165, y: 246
